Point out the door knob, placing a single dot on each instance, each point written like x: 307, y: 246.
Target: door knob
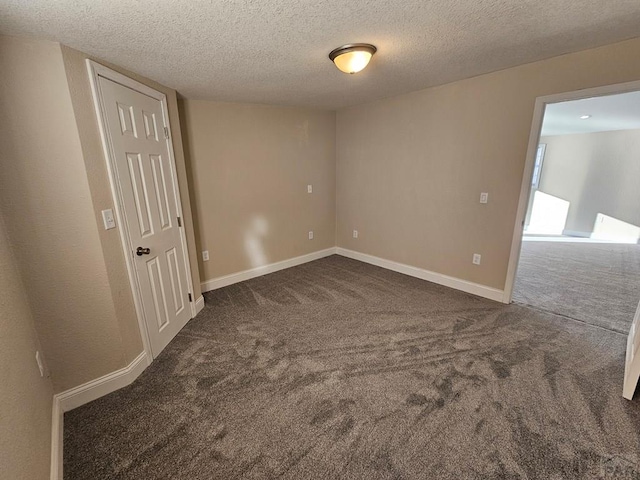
x: 142, y: 251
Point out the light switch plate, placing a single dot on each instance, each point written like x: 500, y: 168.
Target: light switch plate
x: 309, y: 188
x: 108, y: 219
x: 311, y: 235
x: 484, y: 197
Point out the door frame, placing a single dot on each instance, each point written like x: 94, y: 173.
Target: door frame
x: 96, y: 71
x: 527, y: 175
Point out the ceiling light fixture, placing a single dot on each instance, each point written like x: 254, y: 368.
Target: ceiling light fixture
x: 353, y: 57
x: 584, y: 117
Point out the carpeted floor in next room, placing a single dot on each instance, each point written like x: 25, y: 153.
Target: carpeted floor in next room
x: 340, y: 370
x: 598, y: 283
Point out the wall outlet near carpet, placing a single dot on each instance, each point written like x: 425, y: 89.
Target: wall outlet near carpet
x: 355, y: 234
x: 205, y: 255
x: 311, y: 235
x: 476, y: 258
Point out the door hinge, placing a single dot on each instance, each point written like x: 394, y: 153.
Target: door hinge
x: 166, y: 132
x: 179, y: 222
x: 190, y: 299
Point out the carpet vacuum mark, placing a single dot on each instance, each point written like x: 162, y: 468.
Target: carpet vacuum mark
x: 340, y: 370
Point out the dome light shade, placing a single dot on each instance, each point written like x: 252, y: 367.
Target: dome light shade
x: 352, y: 58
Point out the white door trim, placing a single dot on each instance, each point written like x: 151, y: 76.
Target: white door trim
x: 95, y: 71
x: 632, y: 360
x: 534, y: 139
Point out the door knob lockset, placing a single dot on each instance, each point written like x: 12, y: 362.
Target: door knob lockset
x: 142, y: 251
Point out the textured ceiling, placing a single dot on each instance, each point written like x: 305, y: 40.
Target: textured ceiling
x: 275, y: 51
x: 607, y: 113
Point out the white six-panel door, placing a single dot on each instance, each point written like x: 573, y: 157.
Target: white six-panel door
x: 145, y: 177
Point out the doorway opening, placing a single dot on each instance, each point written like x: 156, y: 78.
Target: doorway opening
x: 580, y: 253
x: 576, y: 246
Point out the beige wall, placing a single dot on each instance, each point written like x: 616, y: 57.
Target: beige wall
x: 25, y: 422
x: 250, y: 166
x: 46, y: 202
x: 596, y: 173
x: 52, y: 191
x: 411, y: 168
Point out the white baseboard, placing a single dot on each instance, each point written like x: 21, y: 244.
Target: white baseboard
x: 57, y: 431
x: 85, y: 393
x: 199, y: 304
x: 440, y: 279
x: 220, y: 282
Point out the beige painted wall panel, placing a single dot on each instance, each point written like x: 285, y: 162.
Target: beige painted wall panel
x: 411, y: 168
x: 46, y: 204
x: 596, y: 173
x: 250, y: 166
x: 25, y: 396
x: 81, y: 96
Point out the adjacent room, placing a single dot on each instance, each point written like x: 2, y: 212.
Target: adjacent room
x: 330, y: 240
x: 581, y: 243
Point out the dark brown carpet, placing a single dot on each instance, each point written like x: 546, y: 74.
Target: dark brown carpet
x: 598, y: 283
x: 341, y: 370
